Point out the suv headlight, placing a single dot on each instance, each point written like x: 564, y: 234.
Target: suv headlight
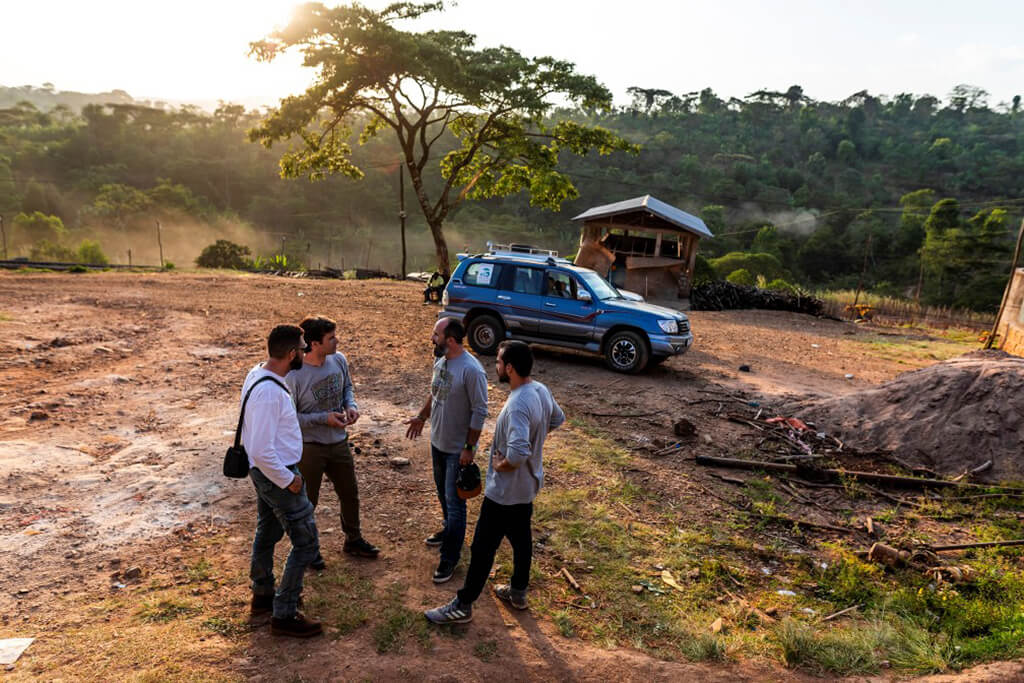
x: 669, y: 326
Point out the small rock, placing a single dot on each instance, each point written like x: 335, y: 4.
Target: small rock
x: 133, y: 573
x: 637, y: 588
x: 708, y: 439
x: 38, y: 415
x: 398, y: 462
x: 785, y: 592
x: 744, y: 368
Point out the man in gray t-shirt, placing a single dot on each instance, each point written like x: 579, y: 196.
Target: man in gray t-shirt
x: 456, y: 408
x: 326, y: 405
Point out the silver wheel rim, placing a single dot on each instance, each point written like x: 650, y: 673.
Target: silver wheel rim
x: 484, y: 336
x: 623, y: 353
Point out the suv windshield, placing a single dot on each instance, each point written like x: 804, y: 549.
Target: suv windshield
x: 602, y: 290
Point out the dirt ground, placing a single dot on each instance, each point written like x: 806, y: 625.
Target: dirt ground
x: 118, y: 395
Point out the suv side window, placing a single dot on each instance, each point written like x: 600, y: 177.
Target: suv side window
x: 482, y: 274
x: 560, y: 285
x: 524, y: 280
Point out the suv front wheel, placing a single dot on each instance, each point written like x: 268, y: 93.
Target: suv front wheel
x: 626, y: 351
x: 485, y: 332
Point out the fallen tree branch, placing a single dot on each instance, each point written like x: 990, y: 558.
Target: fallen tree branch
x: 836, y: 474
x: 588, y: 412
x: 965, y: 546
x: 570, y: 580
x: 840, y: 613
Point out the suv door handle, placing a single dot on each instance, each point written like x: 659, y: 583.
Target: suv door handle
x: 504, y: 298
x: 550, y: 305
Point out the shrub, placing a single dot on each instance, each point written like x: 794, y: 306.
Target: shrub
x: 741, y: 277
x: 755, y: 264
x: 89, y: 252
x: 224, y: 254
x: 702, y: 271
x: 168, y: 265
x: 780, y: 285
x: 45, y: 250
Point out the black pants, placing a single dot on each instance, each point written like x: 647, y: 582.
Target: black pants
x: 496, y: 522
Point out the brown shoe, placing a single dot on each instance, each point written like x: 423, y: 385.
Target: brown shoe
x: 296, y: 626
x: 261, y: 604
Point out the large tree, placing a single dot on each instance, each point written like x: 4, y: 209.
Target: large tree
x: 494, y: 101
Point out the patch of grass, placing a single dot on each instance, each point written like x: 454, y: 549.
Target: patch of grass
x: 398, y: 624
x: 563, y: 620
x: 167, y: 609
x: 485, y: 650
x: 200, y: 571
x: 341, y: 598
x: 5, y: 318
x: 228, y: 628
x: 704, y: 648
x: 841, y: 651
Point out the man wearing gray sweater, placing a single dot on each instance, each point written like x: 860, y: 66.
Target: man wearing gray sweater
x: 326, y: 405
x: 515, y: 475
x: 456, y: 408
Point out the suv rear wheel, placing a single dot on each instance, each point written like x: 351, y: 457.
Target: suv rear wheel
x: 626, y: 351
x: 485, y: 332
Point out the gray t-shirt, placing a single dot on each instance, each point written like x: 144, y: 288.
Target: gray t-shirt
x: 318, y: 391
x: 458, y: 392
x: 529, y: 414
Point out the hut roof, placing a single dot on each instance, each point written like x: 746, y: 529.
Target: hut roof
x: 632, y: 209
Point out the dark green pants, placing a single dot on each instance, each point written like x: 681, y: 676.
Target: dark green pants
x: 334, y: 460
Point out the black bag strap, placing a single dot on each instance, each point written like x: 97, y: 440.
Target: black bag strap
x: 241, y: 415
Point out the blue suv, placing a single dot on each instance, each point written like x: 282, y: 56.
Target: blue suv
x: 548, y: 300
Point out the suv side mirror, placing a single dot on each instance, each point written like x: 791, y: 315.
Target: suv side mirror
x: 583, y: 295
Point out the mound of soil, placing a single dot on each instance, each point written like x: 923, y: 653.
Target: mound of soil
x: 950, y: 417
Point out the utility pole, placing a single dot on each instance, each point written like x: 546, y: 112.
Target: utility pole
x: 160, y: 243
x: 129, y: 258
x: 864, y: 270
x: 1009, y: 283
x: 401, y: 212
x: 3, y: 234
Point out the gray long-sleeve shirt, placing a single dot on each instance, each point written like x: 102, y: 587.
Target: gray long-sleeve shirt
x: 458, y: 392
x: 319, y: 391
x: 524, y: 422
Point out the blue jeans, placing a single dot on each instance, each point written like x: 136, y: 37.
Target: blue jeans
x: 280, y: 512
x: 446, y: 471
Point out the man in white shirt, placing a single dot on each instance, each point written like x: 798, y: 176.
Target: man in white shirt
x: 273, y: 442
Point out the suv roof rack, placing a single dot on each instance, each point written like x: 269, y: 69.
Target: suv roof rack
x: 518, y: 249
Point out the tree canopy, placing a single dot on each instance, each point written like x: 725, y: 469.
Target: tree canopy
x: 422, y: 86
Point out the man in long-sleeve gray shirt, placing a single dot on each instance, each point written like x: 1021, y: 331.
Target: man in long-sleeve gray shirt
x: 457, y: 408
x: 325, y: 402
x: 515, y: 474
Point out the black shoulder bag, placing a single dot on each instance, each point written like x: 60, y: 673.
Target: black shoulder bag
x: 236, y: 460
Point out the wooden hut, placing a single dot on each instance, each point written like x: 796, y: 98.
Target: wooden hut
x: 643, y: 245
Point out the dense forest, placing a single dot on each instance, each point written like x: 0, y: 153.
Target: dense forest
x: 918, y: 196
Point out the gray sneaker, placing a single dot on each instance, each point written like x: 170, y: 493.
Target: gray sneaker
x: 510, y: 595
x: 452, y: 613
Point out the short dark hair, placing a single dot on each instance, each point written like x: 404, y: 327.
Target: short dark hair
x: 455, y: 330
x: 517, y: 354
x: 315, y: 327
x: 283, y: 339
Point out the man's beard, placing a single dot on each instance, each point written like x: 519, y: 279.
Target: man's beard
x: 296, y: 363
x: 503, y: 378
x: 439, y: 350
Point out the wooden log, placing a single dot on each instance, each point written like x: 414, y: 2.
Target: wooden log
x: 570, y: 580
x: 965, y: 546
x: 889, y: 479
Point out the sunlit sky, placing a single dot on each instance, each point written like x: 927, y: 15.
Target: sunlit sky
x: 191, y: 51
